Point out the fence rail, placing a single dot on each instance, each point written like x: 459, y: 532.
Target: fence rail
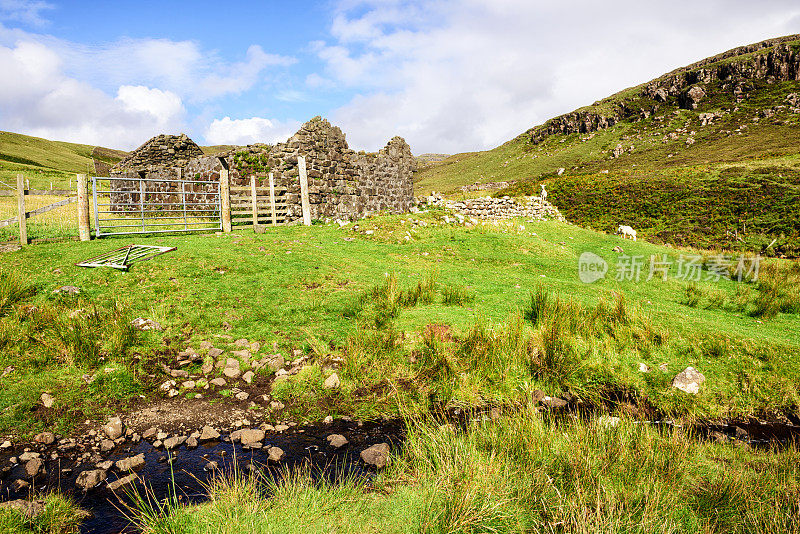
x: 129, y: 205
x: 125, y: 206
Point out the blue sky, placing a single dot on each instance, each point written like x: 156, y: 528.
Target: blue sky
x: 448, y: 75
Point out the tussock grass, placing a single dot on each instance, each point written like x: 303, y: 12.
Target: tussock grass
x: 60, y: 515
x: 525, y: 473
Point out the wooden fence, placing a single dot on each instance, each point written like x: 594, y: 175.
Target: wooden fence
x: 253, y: 205
x: 23, y: 215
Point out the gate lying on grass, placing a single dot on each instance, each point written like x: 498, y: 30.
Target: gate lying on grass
x: 258, y: 205
x: 145, y: 206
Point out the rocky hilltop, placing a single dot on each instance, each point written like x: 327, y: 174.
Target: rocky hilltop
x: 729, y: 75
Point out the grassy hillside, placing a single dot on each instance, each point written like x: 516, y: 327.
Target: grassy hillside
x: 44, y: 162
x: 722, y: 174
x: 371, y: 300
x: 455, y: 315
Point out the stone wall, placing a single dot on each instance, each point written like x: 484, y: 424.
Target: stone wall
x: 498, y: 208
x: 343, y: 183
x: 160, y: 151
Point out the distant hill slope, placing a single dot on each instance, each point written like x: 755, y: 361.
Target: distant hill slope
x: 43, y: 161
x: 705, y: 155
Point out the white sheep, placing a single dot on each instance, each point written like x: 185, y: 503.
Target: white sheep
x: 544, y: 193
x: 626, y: 231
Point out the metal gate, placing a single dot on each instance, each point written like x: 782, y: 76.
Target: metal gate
x: 152, y: 205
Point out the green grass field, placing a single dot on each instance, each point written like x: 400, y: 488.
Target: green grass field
x: 335, y: 291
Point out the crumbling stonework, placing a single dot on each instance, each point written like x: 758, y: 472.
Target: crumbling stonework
x: 343, y: 183
x: 160, y: 151
x: 499, y: 208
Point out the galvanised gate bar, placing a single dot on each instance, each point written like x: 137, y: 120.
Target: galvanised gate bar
x: 125, y: 205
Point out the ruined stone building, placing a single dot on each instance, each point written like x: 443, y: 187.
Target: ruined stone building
x: 342, y: 183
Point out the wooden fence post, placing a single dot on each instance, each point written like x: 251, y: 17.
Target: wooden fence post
x: 21, y: 215
x: 225, y: 199
x: 83, y: 208
x: 306, y: 205
x: 272, y: 198
x: 255, y: 200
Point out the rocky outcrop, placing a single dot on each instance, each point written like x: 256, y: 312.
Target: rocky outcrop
x: 771, y: 60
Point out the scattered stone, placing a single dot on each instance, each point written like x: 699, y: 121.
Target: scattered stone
x: 90, y: 479
x: 205, y: 345
x: 219, y: 382
x: 124, y: 481
x: 689, y: 381
x: 69, y: 290
x: 6, y: 445
x: 243, y: 354
x: 643, y: 368
x: 114, y: 428
x: 192, y: 442
x: 35, y: 467
x: 555, y: 403
x: 20, y: 485
x: 275, y: 454
x: 332, y: 382
x: 337, y: 441
x: 248, y: 377
x: 208, y: 434
x: 250, y: 436
x: 145, y: 324
x: 29, y: 509
x: 105, y: 465
x: 255, y: 346
x: 106, y: 445
x: 242, y: 396
x: 134, y: 463
x: 281, y: 428
x: 47, y: 400
x: 189, y: 384
x: 45, y: 438
x: 232, y: 368
x: 242, y: 343
x: 211, y: 466
x: 28, y: 455
x: 741, y: 434
x: 150, y: 433
x: 174, y: 442
x: 376, y: 455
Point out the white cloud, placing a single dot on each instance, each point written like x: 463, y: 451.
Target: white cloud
x: 182, y: 67
x: 229, y: 131
x: 118, y: 94
x: 163, y: 106
x: 38, y: 98
x: 24, y: 11
x: 468, y: 74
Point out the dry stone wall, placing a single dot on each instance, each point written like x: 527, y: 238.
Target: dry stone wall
x: 499, y: 208
x: 343, y: 183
